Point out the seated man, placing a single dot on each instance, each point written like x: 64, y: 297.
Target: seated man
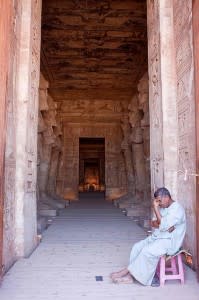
x: 167, y: 238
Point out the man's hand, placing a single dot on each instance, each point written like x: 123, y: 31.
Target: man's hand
x: 155, y: 224
x: 156, y: 203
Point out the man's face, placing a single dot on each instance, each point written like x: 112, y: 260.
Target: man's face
x: 164, y: 201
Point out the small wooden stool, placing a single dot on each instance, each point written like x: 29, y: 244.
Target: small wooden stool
x: 175, y: 270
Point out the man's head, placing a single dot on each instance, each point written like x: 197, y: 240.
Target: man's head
x: 164, y: 196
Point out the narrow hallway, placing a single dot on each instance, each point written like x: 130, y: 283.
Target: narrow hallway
x: 90, y: 238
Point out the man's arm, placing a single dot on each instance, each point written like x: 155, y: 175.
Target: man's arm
x: 156, y: 205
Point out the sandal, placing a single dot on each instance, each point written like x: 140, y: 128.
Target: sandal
x: 155, y: 282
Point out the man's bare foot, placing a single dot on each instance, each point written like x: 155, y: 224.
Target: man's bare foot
x: 119, y: 274
x: 125, y: 279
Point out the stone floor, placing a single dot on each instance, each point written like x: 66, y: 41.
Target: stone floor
x: 90, y: 238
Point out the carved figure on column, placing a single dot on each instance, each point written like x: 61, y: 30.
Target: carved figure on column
x: 143, y: 98
x: 48, y: 140
x: 125, y: 147
x: 136, y: 140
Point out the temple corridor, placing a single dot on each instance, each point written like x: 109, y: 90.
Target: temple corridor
x: 99, y: 108
x: 90, y: 238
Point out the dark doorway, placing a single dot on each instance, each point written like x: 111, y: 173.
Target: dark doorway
x: 91, y: 164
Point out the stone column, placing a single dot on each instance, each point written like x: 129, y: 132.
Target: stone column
x: 125, y: 146
x: 60, y: 176
x: 43, y: 171
x: 186, y: 114
x: 162, y: 95
x: 5, y: 41
x: 138, y: 158
x: 143, y: 105
x: 196, y: 63
x: 49, y: 131
x: 55, y: 153
x: 27, y: 84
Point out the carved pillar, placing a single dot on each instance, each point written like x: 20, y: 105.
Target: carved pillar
x: 5, y: 40
x: 186, y: 114
x: 196, y: 63
x: 44, y: 151
x: 52, y: 176
x: 138, y: 158
x: 125, y: 146
x: 143, y: 105
x: 162, y: 95
x: 44, y: 170
x: 60, y: 176
x: 49, y: 147
x: 27, y: 84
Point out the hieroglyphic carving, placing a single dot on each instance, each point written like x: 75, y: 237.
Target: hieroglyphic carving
x: 31, y: 145
x: 185, y: 113
x: 126, y: 148
x: 88, y: 106
x: 136, y: 140
x: 155, y: 102
x: 143, y: 100
x: 49, y: 149
x: 9, y: 255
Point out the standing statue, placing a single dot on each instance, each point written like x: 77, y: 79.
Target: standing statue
x: 126, y: 149
x: 137, y: 144
x: 143, y: 98
x: 47, y: 141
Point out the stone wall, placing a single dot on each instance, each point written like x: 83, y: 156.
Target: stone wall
x: 195, y: 12
x: 20, y: 235
x: 27, y: 83
x: 186, y: 116
x: 7, y: 167
x: 172, y: 105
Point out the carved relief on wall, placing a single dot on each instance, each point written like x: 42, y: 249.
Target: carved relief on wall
x: 31, y: 145
x: 88, y: 106
x: 155, y: 101
x: 186, y: 112
x: 49, y: 150
x: 10, y: 150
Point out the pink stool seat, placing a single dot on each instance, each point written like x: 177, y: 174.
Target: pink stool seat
x: 172, y: 272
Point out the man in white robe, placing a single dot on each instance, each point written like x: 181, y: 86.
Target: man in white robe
x: 167, y: 238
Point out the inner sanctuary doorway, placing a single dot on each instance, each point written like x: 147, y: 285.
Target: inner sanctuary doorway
x: 91, y: 165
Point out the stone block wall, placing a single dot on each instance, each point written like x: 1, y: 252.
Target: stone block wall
x: 20, y: 234
x: 186, y: 180
x: 172, y: 105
